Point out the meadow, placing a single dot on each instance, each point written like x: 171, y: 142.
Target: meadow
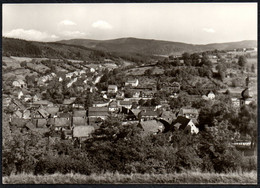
x: 117, y: 178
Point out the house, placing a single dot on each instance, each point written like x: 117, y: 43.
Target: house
x: 188, y: 113
x: 82, y: 131
x: 36, y: 97
x: 209, y: 96
x: 79, y: 121
x: 18, y: 114
x: 168, y: 116
x: 69, y: 101
x: 19, y: 83
x: 80, y: 113
x: 30, y: 126
x: 132, y: 82
x: 27, y: 98
x: 18, y: 104
x: 62, y: 123
x: 40, y: 123
x: 52, y: 110
x: 185, y: 124
x: 19, y: 94
x: 112, y: 89
x: 112, y: 107
x: 42, y: 103
x: 78, y: 106
x: 149, y: 115
x: 100, y: 103
x: 134, y: 114
x: 6, y: 100
x: 151, y: 127
x: 97, y: 113
x: 125, y: 104
x: 43, y: 113
x: 26, y: 114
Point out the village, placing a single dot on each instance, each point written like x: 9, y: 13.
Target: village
x: 133, y: 101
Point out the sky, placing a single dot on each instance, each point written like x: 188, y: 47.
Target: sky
x: 195, y: 23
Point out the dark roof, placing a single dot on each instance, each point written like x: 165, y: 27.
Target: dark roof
x: 181, y: 122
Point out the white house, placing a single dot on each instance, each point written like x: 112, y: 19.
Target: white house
x: 132, y: 82
x: 185, y: 124
x: 19, y: 83
x: 112, y: 89
x: 211, y: 95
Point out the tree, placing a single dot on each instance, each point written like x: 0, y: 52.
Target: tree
x: 148, y: 72
x: 242, y: 61
x: 253, y: 68
x: 186, y: 58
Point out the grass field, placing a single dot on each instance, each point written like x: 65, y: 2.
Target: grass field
x: 108, y: 178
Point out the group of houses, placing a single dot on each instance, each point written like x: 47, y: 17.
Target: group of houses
x: 33, y: 113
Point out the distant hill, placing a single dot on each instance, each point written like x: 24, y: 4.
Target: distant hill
x: 23, y: 48
x: 153, y: 47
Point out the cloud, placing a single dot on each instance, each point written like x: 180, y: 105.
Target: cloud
x: 101, y: 24
x: 209, y: 30
x: 67, y: 23
x: 73, y: 34
x: 30, y: 34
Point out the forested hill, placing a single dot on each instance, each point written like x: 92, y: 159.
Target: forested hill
x: 152, y: 47
x: 23, y: 48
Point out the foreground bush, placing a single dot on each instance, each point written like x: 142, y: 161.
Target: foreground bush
x: 176, y: 178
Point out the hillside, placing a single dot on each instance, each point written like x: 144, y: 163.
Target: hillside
x: 23, y: 48
x: 155, y: 47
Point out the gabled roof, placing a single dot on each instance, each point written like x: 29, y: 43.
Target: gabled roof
x: 189, y: 111
x: 180, y: 123
x: 43, y: 113
x: 19, y: 104
x: 135, y: 112
x: 42, y: 102
x: 112, y: 87
x: 131, y: 80
x: 62, y: 122
x: 30, y: 125
x: 152, y: 126
x: 113, y: 104
x: 68, y: 101
x: 82, y: 131
x: 125, y: 103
